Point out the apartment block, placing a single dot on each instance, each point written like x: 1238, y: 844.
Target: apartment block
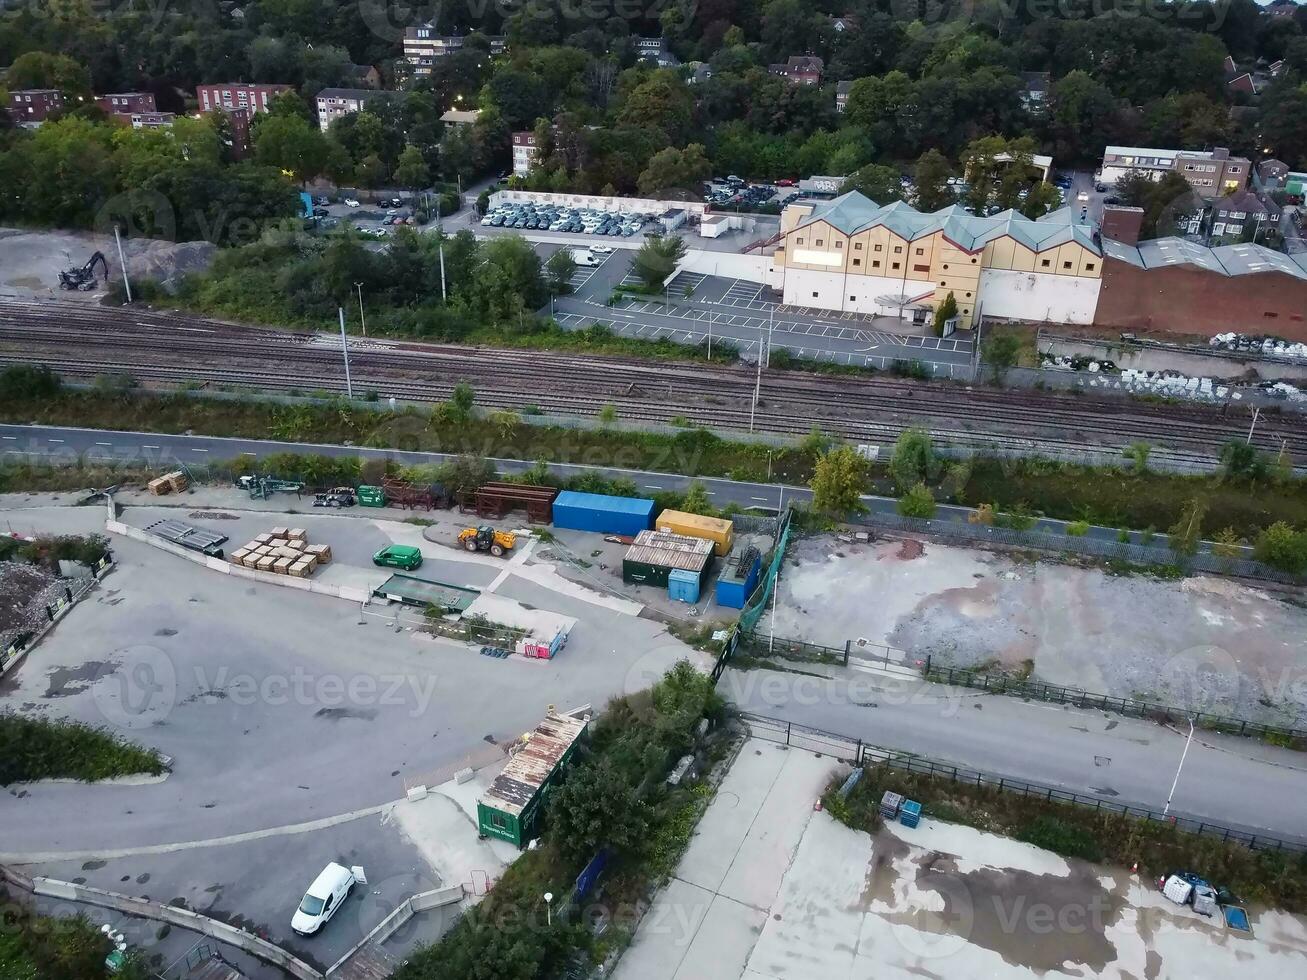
x: 30, y: 107
x: 423, y: 44
x: 332, y: 103
x: 126, y: 103
x: 524, y: 152
x: 1211, y: 173
x: 251, y: 96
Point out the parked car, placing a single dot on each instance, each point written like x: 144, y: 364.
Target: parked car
x: 351, y: 202
x: 398, y: 556
x: 1083, y: 196
x: 601, y: 249
x: 785, y: 182
x: 321, y: 200
x: 327, y: 894
x: 320, y: 212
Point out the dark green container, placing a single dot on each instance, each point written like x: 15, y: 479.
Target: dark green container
x: 371, y: 496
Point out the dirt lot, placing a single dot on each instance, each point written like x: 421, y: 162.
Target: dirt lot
x: 25, y: 590
x: 31, y: 261
x: 1203, y: 643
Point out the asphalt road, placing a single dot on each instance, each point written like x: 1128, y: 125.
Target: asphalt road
x: 1234, y: 782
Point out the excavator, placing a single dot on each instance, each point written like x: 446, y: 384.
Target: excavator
x: 83, y: 279
x: 486, y: 538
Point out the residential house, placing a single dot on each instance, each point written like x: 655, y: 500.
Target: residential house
x: 30, y: 107
x: 842, y: 90
x: 846, y: 24
x: 333, y: 103
x: 1212, y: 173
x: 1233, y: 213
x: 1271, y: 173
x: 656, y: 49
x: 460, y: 117
x: 799, y: 69
x: 1275, y: 68
x: 1244, y: 83
x: 251, y: 96
x: 700, y: 72
x: 366, y: 76
x: 1281, y: 8
x: 1034, y: 90
x: 147, y: 120
x: 423, y: 44
x: 126, y: 103
x: 525, y: 152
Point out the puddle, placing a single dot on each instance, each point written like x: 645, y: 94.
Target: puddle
x: 63, y: 681
x: 336, y: 714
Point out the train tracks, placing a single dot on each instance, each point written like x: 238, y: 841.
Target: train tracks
x: 166, y: 349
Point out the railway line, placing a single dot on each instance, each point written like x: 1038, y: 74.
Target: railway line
x: 163, y: 349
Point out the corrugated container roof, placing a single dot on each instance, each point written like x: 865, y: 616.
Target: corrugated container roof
x: 604, y: 502
x: 716, y: 525
x: 528, y: 770
x: 664, y: 549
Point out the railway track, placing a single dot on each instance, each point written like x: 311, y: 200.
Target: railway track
x: 163, y: 349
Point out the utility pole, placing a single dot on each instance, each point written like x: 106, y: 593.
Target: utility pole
x: 361, y: 318
x: 444, y: 295
x: 1257, y: 411
x: 757, y: 387
x: 710, y: 340
x: 1167, y: 808
x: 344, y: 349
x: 122, y: 262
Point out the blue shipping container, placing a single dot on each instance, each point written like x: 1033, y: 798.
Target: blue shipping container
x: 683, y: 585
x: 732, y: 593
x: 602, y: 513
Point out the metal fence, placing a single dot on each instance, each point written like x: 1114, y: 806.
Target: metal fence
x: 790, y: 649
x: 936, y: 770
x: 1132, y: 707
x: 1134, y: 553
x: 848, y: 748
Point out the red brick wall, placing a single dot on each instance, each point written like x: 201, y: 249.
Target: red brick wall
x: 1189, y: 300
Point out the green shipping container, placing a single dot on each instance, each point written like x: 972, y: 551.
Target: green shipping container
x: 371, y: 496
x: 511, y: 806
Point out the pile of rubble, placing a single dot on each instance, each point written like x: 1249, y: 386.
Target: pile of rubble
x: 25, y: 591
x: 1241, y: 343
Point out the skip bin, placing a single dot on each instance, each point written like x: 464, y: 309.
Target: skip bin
x: 371, y: 496
x: 910, y: 813
x: 683, y: 585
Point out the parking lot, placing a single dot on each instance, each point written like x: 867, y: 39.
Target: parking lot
x: 294, y: 721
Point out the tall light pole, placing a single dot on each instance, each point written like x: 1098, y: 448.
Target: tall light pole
x: 344, y: 349
x: 122, y: 262
x: 444, y: 295
x: 757, y: 386
x: 1257, y: 411
x: 1167, y: 808
x: 363, y: 321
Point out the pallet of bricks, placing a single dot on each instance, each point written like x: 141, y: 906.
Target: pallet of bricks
x: 283, y: 551
x: 174, y: 482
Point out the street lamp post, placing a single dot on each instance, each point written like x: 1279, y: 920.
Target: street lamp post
x: 362, y: 320
x: 549, y: 908
x: 1175, y: 782
x: 1257, y: 411
x: 344, y: 349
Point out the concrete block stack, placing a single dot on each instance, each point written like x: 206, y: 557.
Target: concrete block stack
x: 283, y: 551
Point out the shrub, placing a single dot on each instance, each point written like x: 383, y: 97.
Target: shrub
x: 1062, y: 838
x: 23, y: 381
x: 1077, y: 529
x: 917, y: 502
x: 1282, y: 547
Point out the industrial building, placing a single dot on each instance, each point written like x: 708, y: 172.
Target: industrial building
x: 511, y: 807
x: 853, y: 255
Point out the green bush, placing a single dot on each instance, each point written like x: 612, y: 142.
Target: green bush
x: 41, y: 748
x: 24, y: 381
x: 1077, y: 529
x: 1282, y: 547
x: 1062, y: 838
x: 917, y: 502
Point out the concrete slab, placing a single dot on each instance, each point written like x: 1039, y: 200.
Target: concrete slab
x: 722, y: 944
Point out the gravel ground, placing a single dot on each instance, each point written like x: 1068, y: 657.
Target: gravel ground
x: 25, y: 590
x: 1203, y: 643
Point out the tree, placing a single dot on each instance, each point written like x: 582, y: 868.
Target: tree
x: 559, y: 269
x: 293, y: 145
x: 412, y: 171
x: 932, y: 175
x: 1282, y: 547
x: 461, y: 400
x: 946, y: 311
x: 1138, y: 453
x: 657, y: 259
x: 1002, y: 351
x: 876, y: 181
x: 1227, y: 544
x: 1186, y: 533
x: 596, y: 807
x: 607, y: 416
x: 685, y: 169
x: 918, y: 502
x: 838, y: 481
x: 41, y: 69
x: 1242, y: 461
x: 913, y: 461
x: 696, y: 501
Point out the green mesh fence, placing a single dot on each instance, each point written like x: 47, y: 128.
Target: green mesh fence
x: 757, y: 604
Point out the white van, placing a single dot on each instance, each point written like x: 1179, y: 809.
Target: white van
x: 327, y: 893
x: 584, y: 257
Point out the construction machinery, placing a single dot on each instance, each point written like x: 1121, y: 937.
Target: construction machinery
x: 263, y: 487
x: 486, y: 538
x: 83, y: 279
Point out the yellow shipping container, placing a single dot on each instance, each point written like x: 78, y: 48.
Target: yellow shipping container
x: 720, y: 532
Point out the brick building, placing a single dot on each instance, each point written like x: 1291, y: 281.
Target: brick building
x: 30, y: 107
x: 126, y: 103
x: 799, y: 69
x: 332, y: 103
x: 252, y: 96
x: 1211, y: 173
x: 524, y: 152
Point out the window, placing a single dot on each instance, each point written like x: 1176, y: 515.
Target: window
x: 1045, y: 263
x: 973, y: 261
x: 857, y: 261
x: 857, y: 246
x: 896, y: 265
x: 945, y: 268
x: 898, y: 249
x: 1089, y: 267
x: 800, y: 241
x: 875, y: 264
x: 819, y: 242
x: 1066, y: 265
x: 853, y: 299
x: 943, y: 283
x: 966, y: 312
x: 920, y: 252
x: 1269, y: 315
x: 968, y: 296
x: 839, y: 244
x: 878, y: 248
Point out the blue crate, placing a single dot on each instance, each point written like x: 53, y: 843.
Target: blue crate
x: 910, y: 813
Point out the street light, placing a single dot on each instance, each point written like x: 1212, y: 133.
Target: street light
x: 1167, y: 808
x: 361, y: 319
x: 549, y: 908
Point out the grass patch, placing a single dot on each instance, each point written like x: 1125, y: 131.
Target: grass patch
x: 39, y: 748
x: 36, y: 947
x: 1277, y: 879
